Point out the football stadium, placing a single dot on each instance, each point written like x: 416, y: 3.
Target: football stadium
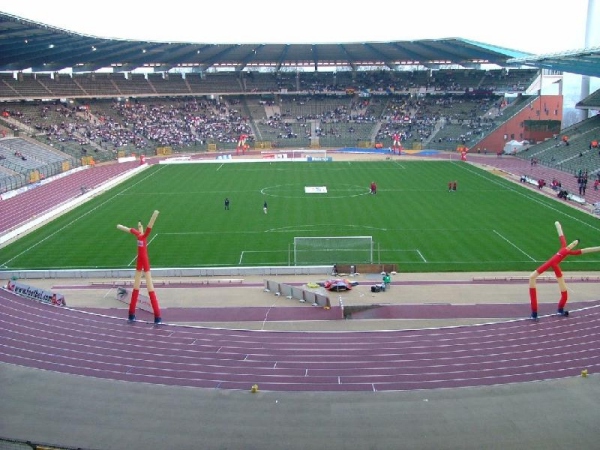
x: 235, y: 246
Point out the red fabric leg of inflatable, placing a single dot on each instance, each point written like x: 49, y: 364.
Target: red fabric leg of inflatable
x: 533, y: 298
x: 563, y: 299
x: 154, y: 302
x: 134, y: 299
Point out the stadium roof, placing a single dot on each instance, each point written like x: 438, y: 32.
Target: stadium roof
x: 582, y: 62
x: 28, y: 45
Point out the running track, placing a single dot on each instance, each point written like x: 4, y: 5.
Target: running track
x: 68, y: 341
x: 62, y: 340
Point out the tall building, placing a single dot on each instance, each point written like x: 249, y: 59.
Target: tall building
x: 578, y: 87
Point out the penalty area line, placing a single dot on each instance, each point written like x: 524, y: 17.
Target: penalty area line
x: 514, y: 245
x: 251, y: 251
x: 406, y: 250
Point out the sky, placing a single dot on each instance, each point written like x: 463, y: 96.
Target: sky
x: 533, y: 26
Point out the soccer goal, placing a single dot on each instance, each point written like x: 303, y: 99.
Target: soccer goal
x: 333, y: 250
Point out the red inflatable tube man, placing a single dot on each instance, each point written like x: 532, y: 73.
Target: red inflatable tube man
x: 396, y: 143
x: 242, y: 146
x: 142, y: 264
x: 554, y: 263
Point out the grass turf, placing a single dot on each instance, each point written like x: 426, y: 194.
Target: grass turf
x: 488, y: 224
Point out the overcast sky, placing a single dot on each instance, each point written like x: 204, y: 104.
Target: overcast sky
x: 534, y: 26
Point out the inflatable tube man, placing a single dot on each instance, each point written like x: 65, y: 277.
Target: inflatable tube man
x: 554, y: 263
x: 142, y: 264
x: 396, y: 143
x: 242, y: 146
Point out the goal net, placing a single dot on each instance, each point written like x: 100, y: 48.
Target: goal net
x: 333, y: 250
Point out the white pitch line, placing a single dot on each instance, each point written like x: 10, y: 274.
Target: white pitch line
x: 529, y: 196
x: 5, y: 264
x: 254, y: 251
x: 149, y: 242
x: 421, y: 255
x: 515, y: 246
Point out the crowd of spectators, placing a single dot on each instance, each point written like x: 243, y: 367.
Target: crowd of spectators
x: 139, y: 125
x: 283, y: 129
x: 144, y: 124
x: 181, y: 122
x: 295, y: 113
x: 423, y: 118
x: 186, y: 122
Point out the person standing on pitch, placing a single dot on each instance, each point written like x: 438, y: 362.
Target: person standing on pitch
x: 142, y: 264
x: 265, y: 207
x: 373, y: 188
x: 227, y: 203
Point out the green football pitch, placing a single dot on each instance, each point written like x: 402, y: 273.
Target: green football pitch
x: 488, y: 224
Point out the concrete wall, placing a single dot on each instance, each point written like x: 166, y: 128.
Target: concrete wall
x: 227, y: 272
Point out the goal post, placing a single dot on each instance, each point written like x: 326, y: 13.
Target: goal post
x: 323, y: 250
